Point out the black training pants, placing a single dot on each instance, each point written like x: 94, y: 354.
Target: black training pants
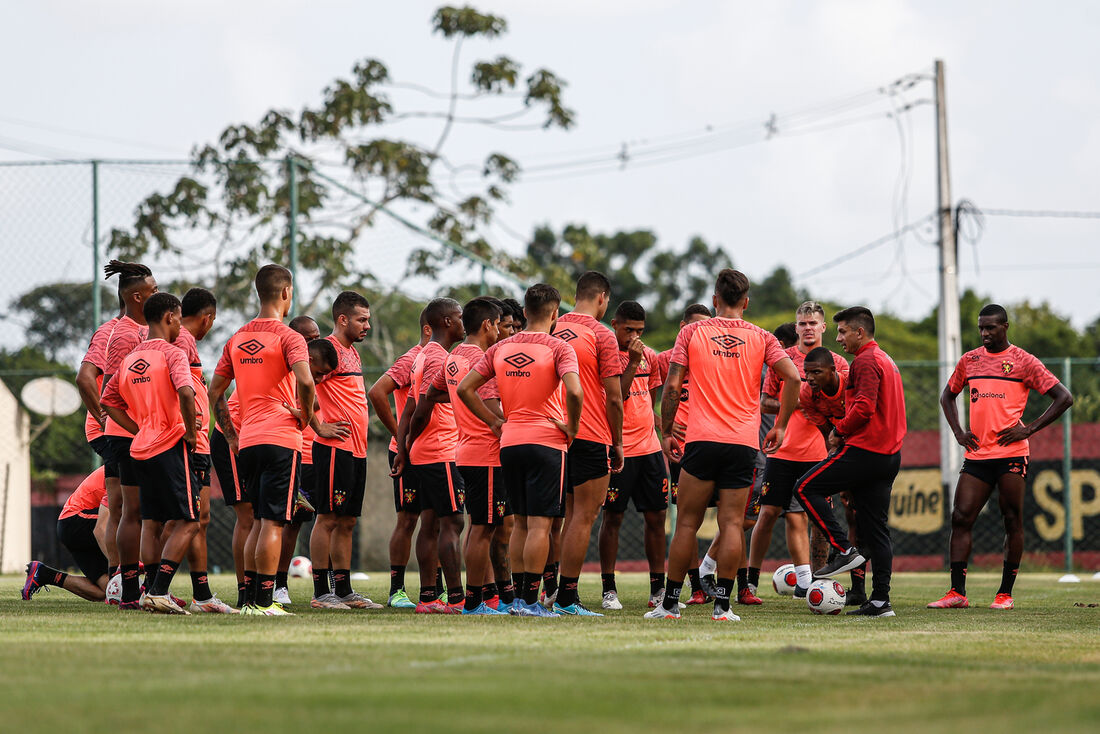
x: 870, y: 478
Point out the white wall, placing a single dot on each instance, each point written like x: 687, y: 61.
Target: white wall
x: 15, y: 482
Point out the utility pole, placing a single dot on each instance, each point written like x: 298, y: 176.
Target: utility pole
x: 292, y: 229
x: 950, y: 338
x: 97, y: 296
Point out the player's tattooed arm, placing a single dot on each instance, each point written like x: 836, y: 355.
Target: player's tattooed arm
x: 670, y: 399
x: 220, y: 408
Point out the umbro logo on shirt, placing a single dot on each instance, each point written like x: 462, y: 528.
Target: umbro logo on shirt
x: 452, y: 369
x: 727, y: 343
x: 251, y: 347
x: 566, y: 335
x: 139, y: 366
x: 519, y: 360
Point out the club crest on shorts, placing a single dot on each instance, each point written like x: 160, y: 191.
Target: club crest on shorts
x: 339, y: 496
x: 764, y: 489
x: 460, y: 495
x: 409, y: 495
x: 612, y: 494
x: 500, y: 508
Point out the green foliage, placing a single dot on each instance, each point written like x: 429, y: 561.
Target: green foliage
x: 59, y: 316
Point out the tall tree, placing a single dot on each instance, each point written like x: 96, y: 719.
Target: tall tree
x: 59, y: 316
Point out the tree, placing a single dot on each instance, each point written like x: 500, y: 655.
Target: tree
x: 59, y: 316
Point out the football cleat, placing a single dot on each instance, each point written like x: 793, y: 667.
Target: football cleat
x: 870, y: 609
x: 32, y: 585
x: 800, y: 591
x: 660, y: 612
x: 129, y: 606
x: 548, y: 601
x: 163, y: 604
x: 535, y: 610
x: 840, y: 563
x: 745, y: 596
x: 281, y: 596
x: 455, y: 608
x: 213, y: 605
x: 114, y: 589
x: 327, y: 601
x: 709, y: 582
x: 493, y: 602
x: 355, y: 600
x: 575, y: 610
x: 484, y: 610
x: 951, y: 600
x: 699, y: 597
x: 855, y: 598
x: 301, y: 502
x: 724, y: 616
x: 432, y: 607
x: 400, y: 600
x: 1003, y: 601
x: 271, y: 611
x: 655, y: 600
x: 611, y: 600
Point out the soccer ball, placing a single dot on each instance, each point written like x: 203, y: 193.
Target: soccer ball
x: 300, y: 568
x: 784, y: 579
x: 825, y: 596
x: 114, y: 589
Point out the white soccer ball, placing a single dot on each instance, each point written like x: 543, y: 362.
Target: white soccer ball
x: 784, y: 579
x: 114, y: 589
x: 300, y: 568
x: 826, y: 596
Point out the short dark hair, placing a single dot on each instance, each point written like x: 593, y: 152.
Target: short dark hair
x: 630, y: 311
x: 592, y: 284
x: 821, y: 355
x: 695, y: 309
x: 731, y: 286
x: 476, y: 312
x: 325, y: 350
x: 347, y: 302
x: 197, y: 300
x: 298, y: 323
x: 270, y: 280
x: 858, y: 316
x: 995, y: 309
x: 517, y: 310
x: 157, y: 305
x: 423, y: 317
x: 786, y: 334
x: 541, y: 299
x: 437, y: 310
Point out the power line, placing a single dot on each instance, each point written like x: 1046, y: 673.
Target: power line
x: 864, y: 248
x: 1041, y: 213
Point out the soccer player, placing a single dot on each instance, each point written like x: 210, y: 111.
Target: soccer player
x: 406, y: 500
x: 644, y: 477
x: 430, y: 457
x: 224, y: 458
x: 725, y: 356
x: 136, y: 286
x: 803, y: 447
x: 269, y: 361
x: 81, y: 528
x: 872, y: 431
x: 601, y: 430
x: 530, y: 369
x: 1000, y: 376
x: 153, y: 398
x: 478, y: 452
x: 340, y: 456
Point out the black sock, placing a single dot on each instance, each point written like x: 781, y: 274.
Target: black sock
x: 250, y: 589
x: 342, y: 578
x: 280, y: 580
x: 397, y: 579
x: 531, y: 583
x: 53, y: 577
x: 1008, y: 577
x: 455, y: 596
x: 742, y: 579
x: 320, y: 582
x: 112, y: 572
x: 550, y: 578
x: 242, y: 593
x: 150, y: 579
x: 331, y: 580
x: 722, y: 601
x: 519, y: 583
x: 428, y: 594
x: 131, y: 586
x: 958, y: 577
x: 656, y: 582
x: 693, y: 577
x: 608, y: 582
x: 474, y: 597
x: 488, y: 591
x: 508, y: 592
x: 439, y: 583
x: 166, y: 571
x: 200, y: 585
x: 754, y: 576
x: 859, y: 578
x: 672, y: 595
x: 265, y: 588
x: 567, y: 591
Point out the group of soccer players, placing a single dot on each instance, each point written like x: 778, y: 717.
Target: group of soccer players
x: 531, y: 423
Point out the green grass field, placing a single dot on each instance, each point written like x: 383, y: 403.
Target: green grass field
x: 70, y: 665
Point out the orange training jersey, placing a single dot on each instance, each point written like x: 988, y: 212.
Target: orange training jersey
x: 639, y: 430
x: 818, y: 408
x: 259, y: 358
x: 401, y: 374
x: 726, y: 358
x: 186, y: 342
x: 88, y: 497
x: 597, y: 357
x: 438, y: 441
x: 97, y: 357
x: 802, y: 442
x: 999, y: 385
x: 146, y: 386
x: 343, y: 397
x: 126, y: 335
x: 477, y: 444
x: 528, y: 368
x: 308, y: 437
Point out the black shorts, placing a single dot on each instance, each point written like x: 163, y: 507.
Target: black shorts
x: 75, y: 533
x: 990, y: 470
x: 169, y: 485
x: 643, y: 479
x: 534, y: 476
x: 779, y: 478
x: 340, y: 481
x: 99, y: 445
x: 201, y: 463
x: 486, y: 500
x: 729, y: 466
x: 405, y: 496
x: 225, y: 466
x: 306, y: 482
x: 587, y: 461
x: 441, y: 487
x: 117, y: 452
x: 271, y: 478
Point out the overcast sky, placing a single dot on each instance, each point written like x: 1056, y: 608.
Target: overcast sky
x: 139, y: 79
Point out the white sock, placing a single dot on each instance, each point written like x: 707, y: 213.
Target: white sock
x: 708, y: 566
x: 804, y: 574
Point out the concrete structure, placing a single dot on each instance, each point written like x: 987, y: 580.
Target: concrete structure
x: 15, y: 484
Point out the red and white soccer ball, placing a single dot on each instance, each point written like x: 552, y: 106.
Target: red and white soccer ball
x: 826, y: 596
x: 784, y: 579
x: 300, y: 568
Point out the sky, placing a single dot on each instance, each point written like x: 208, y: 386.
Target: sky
x: 692, y: 83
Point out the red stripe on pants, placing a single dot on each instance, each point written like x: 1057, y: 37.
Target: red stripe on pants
x: 810, y: 508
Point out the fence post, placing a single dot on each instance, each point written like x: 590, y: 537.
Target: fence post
x: 97, y: 304
x: 292, y: 226
x: 1067, y: 462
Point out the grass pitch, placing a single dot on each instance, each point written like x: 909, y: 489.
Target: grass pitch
x: 70, y: 665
